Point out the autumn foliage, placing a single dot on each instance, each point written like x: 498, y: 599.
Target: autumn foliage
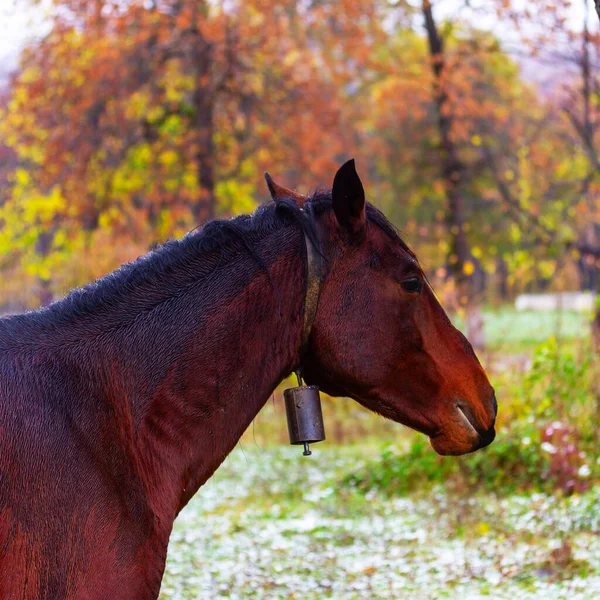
x: 130, y: 123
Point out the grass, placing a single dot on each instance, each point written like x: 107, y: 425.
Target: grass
x: 273, y: 524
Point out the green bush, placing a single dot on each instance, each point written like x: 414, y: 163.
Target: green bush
x: 561, y: 383
x: 397, y: 473
x: 514, y: 462
x: 527, y: 457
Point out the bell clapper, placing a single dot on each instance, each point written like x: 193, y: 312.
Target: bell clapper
x: 307, y: 451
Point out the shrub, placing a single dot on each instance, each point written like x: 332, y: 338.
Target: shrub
x: 397, y: 473
x: 560, y: 386
x: 526, y: 457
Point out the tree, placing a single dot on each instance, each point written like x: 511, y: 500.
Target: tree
x: 132, y: 122
x: 139, y: 121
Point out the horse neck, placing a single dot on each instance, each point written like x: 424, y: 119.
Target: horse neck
x: 209, y: 365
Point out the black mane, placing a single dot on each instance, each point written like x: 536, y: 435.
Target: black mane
x: 148, y: 281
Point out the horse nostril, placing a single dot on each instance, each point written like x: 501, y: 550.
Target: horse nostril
x: 486, y: 436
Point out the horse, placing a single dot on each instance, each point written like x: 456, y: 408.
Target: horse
x: 119, y: 401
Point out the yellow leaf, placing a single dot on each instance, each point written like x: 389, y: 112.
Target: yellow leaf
x: 483, y: 528
x: 468, y: 268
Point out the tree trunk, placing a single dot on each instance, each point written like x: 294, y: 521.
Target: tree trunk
x: 204, y: 107
x: 452, y: 173
x: 502, y: 276
x: 43, y: 247
x: 204, y: 209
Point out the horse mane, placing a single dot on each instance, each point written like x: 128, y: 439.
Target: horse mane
x: 141, y: 284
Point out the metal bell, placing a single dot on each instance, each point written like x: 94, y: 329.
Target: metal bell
x: 304, y: 416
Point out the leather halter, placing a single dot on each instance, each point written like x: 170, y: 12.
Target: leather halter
x: 314, y: 273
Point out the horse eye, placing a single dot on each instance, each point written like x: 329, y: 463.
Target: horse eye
x: 412, y: 285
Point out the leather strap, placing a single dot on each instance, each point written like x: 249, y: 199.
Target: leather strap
x: 314, y: 268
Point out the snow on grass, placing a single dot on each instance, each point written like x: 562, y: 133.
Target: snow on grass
x: 272, y: 524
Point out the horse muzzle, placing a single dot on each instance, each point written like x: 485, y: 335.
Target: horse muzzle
x: 464, y: 431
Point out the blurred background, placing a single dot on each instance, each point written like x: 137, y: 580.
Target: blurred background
x: 475, y: 126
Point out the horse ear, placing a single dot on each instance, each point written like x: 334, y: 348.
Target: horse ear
x: 348, y: 198
x: 278, y: 191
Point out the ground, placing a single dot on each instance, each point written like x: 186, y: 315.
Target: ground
x: 273, y: 524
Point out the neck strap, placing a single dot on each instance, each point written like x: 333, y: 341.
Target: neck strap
x: 314, y: 268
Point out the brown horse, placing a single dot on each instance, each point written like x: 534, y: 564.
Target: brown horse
x: 118, y: 402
